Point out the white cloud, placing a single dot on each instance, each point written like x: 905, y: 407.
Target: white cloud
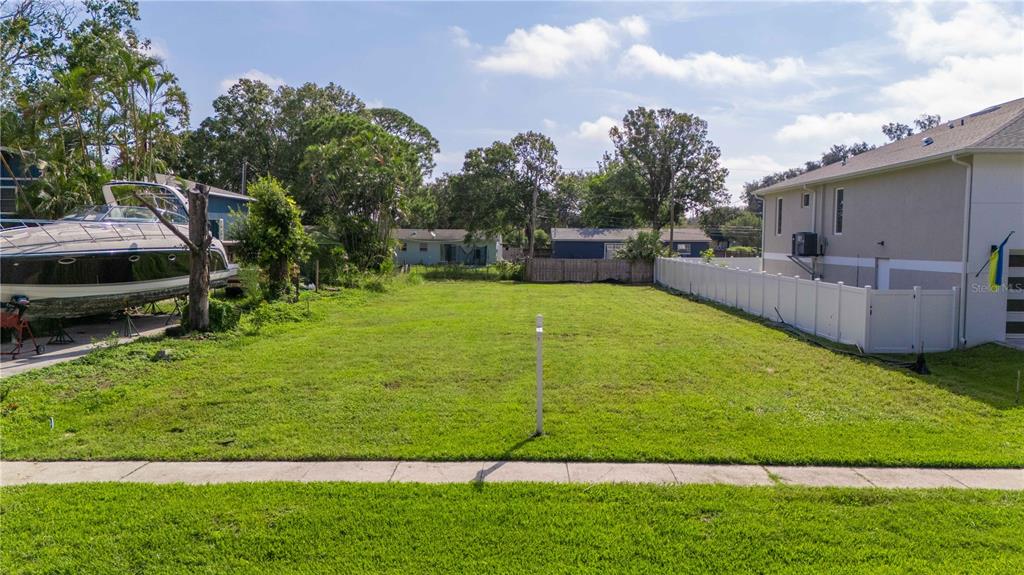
x: 596, y: 130
x: 976, y: 59
x: 977, y: 29
x: 712, y: 67
x: 959, y: 86
x: 273, y: 81
x: 748, y: 168
x: 756, y: 165
x: 548, y: 51
x: 549, y: 124
x: 835, y: 128
x: 460, y: 37
x: 635, y: 26
x: 157, y: 49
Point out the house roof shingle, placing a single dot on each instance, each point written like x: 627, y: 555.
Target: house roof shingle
x: 169, y: 180
x: 622, y: 234
x: 997, y: 128
x: 425, y: 235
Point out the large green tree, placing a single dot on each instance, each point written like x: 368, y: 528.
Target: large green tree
x: 357, y: 175
x: 503, y: 186
x: 671, y: 153
x: 613, y: 196
x: 84, y: 98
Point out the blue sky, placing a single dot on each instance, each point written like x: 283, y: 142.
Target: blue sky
x: 777, y: 82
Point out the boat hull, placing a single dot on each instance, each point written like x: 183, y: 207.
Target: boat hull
x: 73, y: 269
x: 79, y: 300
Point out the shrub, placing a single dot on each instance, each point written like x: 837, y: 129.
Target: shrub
x: 277, y: 312
x: 271, y: 234
x: 742, y: 251
x: 499, y: 271
x: 224, y: 315
x: 643, y: 247
x: 707, y: 255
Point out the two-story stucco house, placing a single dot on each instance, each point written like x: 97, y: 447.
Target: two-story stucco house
x: 923, y: 211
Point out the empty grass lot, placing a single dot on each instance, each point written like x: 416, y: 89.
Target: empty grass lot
x: 523, y: 528
x: 444, y: 370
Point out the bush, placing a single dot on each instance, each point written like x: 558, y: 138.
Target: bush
x: 499, y: 271
x: 223, y: 315
x: 707, y: 255
x: 742, y: 252
x: 643, y: 247
x: 277, y: 312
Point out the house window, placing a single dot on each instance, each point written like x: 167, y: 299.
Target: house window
x: 805, y: 201
x: 778, y: 216
x: 839, y: 211
x: 423, y: 246
x: 683, y: 248
x: 404, y: 246
x: 610, y: 249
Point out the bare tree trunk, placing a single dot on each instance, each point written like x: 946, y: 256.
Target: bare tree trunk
x: 199, y: 274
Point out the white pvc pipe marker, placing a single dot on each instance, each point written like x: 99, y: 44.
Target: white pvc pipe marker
x: 540, y: 375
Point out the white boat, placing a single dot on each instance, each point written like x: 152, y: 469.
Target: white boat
x: 104, y: 258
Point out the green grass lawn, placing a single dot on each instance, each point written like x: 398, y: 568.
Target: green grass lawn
x: 445, y: 370
x: 516, y: 528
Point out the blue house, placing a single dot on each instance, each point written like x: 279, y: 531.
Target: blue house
x: 15, y: 170
x: 222, y: 207
x: 603, y: 243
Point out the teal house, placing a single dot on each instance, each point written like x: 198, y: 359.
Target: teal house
x: 433, y: 247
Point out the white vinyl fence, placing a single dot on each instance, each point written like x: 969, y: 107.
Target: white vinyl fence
x: 878, y: 321
x: 752, y: 264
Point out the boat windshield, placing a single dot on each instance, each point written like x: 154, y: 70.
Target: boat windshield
x: 122, y: 214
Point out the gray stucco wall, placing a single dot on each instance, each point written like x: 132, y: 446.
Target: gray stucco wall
x: 916, y: 212
x: 997, y: 207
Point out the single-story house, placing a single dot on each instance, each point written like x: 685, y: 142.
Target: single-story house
x: 15, y: 170
x: 221, y: 206
x: 431, y: 247
x: 926, y: 211
x: 602, y: 243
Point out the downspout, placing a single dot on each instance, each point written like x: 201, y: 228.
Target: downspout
x: 814, y: 208
x: 968, y: 192
x: 814, y: 229
x: 764, y: 223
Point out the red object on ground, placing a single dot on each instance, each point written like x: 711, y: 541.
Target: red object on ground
x: 12, y: 317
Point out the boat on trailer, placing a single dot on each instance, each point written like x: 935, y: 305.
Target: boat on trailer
x: 104, y: 258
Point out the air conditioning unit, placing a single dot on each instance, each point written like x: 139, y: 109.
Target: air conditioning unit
x: 805, y: 244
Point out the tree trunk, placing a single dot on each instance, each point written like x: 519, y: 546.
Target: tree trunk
x: 278, y: 273
x: 199, y: 273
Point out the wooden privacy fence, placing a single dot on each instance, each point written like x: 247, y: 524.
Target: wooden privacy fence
x: 883, y: 321
x: 550, y: 270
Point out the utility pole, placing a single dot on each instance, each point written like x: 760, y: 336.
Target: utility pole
x: 533, y: 221
x: 245, y: 163
x: 672, y: 225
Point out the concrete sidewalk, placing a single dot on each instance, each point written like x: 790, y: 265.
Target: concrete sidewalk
x: 23, y: 472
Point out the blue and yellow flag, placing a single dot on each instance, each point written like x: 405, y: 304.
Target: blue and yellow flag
x: 995, y: 266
